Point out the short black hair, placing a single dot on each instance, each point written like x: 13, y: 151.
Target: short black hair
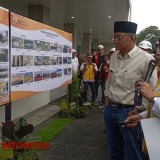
x: 93, y: 50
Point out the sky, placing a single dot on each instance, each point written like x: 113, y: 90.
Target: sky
x: 145, y: 13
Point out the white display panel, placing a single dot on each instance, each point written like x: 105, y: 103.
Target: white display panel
x: 40, y: 57
x: 151, y: 130
x: 4, y: 57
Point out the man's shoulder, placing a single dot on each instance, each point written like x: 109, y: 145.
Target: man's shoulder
x: 144, y: 54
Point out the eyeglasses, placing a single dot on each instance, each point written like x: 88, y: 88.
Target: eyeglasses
x: 117, y: 38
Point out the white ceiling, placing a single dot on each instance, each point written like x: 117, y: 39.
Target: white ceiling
x: 89, y: 14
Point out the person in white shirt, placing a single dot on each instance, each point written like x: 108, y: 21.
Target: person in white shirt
x: 154, y: 100
x: 75, y: 64
x: 153, y: 96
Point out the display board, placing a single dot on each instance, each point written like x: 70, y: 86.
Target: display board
x: 4, y: 57
x: 40, y: 57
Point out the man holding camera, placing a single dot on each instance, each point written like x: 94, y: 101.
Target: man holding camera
x: 89, y: 70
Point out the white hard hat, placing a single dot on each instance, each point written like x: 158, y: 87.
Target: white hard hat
x: 100, y: 47
x: 112, y: 50
x: 145, y: 45
x: 73, y: 50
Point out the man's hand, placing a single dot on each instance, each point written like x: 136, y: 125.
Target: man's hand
x: 93, y: 65
x: 99, y: 81
x: 132, y: 120
x: 85, y: 65
x: 107, y: 101
x: 146, y: 90
x: 135, y: 111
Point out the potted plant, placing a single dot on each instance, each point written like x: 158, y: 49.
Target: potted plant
x: 14, y: 137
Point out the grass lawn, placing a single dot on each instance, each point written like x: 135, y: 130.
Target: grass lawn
x: 53, y: 128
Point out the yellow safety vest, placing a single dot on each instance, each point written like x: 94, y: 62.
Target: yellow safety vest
x: 89, y: 73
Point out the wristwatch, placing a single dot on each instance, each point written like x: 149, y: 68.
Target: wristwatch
x: 154, y: 100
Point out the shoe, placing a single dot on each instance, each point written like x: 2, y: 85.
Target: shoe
x: 95, y: 103
x: 101, y: 107
x: 96, y: 100
x: 100, y: 103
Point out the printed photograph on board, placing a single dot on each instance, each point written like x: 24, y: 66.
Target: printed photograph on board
x: 38, y: 45
x: 38, y: 60
x: 28, y: 77
x: 3, y: 37
x: 46, y: 60
x: 28, y: 44
x: 54, y: 60
x: 3, y: 88
x: 46, y: 75
x: 67, y: 71
x: 4, y: 71
x: 46, y: 46
x: 17, y: 79
x: 38, y: 76
x: 17, y: 60
x: 17, y: 42
x: 59, y: 73
x: 27, y: 60
x: 53, y: 74
x: 3, y: 55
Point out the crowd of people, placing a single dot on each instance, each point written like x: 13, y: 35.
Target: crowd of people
x: 117, y: 73
x: 92, y: 71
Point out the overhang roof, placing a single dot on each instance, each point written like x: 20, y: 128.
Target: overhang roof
x: 91, y: 16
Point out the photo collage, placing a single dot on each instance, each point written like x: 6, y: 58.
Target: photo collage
x: 61, y: 65
x: 4, y: 63
x: 39, y: 45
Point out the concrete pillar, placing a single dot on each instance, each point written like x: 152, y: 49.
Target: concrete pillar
x: 95, y: 43
x: 86, y: 43
x: 70, y: 28
x: 39, y: 13
x: 107, y: 46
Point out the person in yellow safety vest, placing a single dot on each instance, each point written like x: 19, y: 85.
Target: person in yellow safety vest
x: 89, y: 70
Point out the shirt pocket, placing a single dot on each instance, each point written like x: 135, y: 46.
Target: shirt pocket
x: 130, y: 79
x: 112, y: 76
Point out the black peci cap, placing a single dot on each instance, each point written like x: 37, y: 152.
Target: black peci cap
x: 125, y: 26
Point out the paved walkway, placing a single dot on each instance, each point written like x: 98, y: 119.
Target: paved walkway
x: 83, y: 139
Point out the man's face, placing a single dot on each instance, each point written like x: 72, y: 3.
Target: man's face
x: 94, y: 53
x: 158, y: 56
x: 111, y: 52
x: 74, y: 54
x: 89, y: 59
x: 100, y: 50
x: 122, y: 40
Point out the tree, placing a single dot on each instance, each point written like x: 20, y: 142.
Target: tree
x: 150, y: 34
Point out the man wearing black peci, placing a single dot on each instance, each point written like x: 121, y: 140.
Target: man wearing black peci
x: 128, y: 64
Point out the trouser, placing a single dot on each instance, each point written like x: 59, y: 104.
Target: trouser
x: 103, y: 85
x: 123, y: 142
x: 96, y: 77
x: 92, y: 86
